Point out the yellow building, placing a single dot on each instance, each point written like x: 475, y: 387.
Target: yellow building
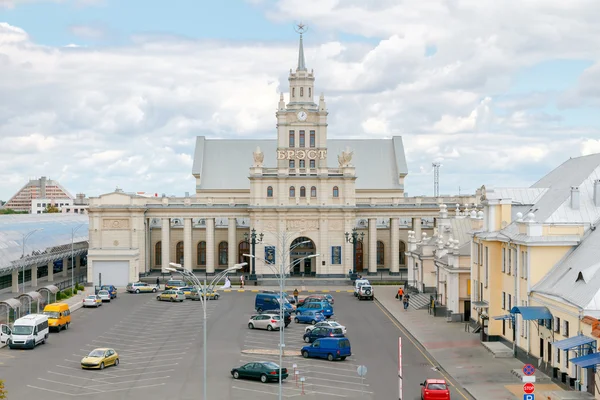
x: 533, y: 266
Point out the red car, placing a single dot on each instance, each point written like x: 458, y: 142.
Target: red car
x: 435, y: 389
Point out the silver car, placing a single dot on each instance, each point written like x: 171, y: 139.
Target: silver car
x: 104, y: 295
x: 265, y: 321
x: 330, y: 323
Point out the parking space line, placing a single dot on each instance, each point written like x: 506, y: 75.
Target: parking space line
x: 313, y: 364
x: 128, y: 353
x: 73, y: 376
x: 260, y: 391
x: 344, y: 382
x: 294, y: 389
x: 132, y: 387
x: 158, y: 366
x: 142, y: 373
x: 156, y: 355
x: 79, y: 369
x: 307, y: 371
x: 338, y: 388
x: 57, y: 391
x: 134, y: 381
x: 68, y: 384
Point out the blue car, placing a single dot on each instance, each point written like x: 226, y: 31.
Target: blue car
x: 309, y: 317
x: 318, y: 306
x: 323, y: 332
x: 329, y: 348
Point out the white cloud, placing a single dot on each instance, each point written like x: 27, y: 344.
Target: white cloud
x: 100, y: 117
x: 88, y: 31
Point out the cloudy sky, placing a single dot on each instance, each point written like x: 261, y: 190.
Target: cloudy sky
x: 106, y: 93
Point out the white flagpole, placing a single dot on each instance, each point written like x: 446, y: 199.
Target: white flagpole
x: 399, y: 368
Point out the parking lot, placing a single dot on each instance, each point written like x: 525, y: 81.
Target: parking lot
x: 160, y: 348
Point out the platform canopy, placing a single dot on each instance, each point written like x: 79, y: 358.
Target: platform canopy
x: 587, y: 361
x: 503, y: 317
x: 575, y: 341
x: 531, y: 313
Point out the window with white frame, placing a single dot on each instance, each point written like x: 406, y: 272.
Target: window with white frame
x: 516, y: 262
x: 504, y: 300
x: 526, y: 265
x: 565, y: 329
x: 509, y: 301
x: 487, y: 269
x: 509, y: 263
x: 503, y: 259
x: 556, y: 326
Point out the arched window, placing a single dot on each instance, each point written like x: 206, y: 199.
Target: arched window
x: 158, y: 253
x: 179, y: 253
x: 223, y: 253
x: 336, y: 191
x: 292, y: 191
x: 312, y: 139
x: 402, y: 256
x: 380, y: 251
x: 313, y: 191
x: 270, y: 191
x: 302, y: 191
x: 202, y: 253
x: 301, y: 139
x: 301, y: 91
x: 244, y: 248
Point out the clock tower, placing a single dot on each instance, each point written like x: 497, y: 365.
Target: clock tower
x: 301, y: 123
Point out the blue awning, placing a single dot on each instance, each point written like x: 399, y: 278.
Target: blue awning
x: 587, y: 361
x: 530, y: 313
x: 574, y: 341
x: 503, y: 317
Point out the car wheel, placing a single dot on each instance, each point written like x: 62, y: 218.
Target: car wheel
x: 296, y: 320
x: 313, y: 322
x: 137, y: 291
x: 269, y: 328
x: 101, y: 365
x: 307, y: 339
x: 259, y: 310
x: 216, y: 297
x: 236, y: 375
x: 154, y: 290
x: 342, y: 358
x: 263, y: 378
x: 172, y: 300
x: 116, y: 362
x: 251, y: 325
x: 330, y: 357
x: 157, y: 297
x: 67, y: 326
x: 305, y: 354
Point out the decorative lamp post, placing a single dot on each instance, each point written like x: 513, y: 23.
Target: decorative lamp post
x: 253, y: 239
x: 354, y: 238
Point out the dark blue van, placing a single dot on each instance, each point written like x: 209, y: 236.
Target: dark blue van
x: 329, y: 348
x: 270, y: 301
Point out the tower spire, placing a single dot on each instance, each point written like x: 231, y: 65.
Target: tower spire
x: 301, y: 28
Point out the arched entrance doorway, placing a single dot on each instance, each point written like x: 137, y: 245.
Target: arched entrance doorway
x: 359, y: 256
x: 300, y: 248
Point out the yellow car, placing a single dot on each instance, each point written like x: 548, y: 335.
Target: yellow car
x: 195, y: 295
x: 100, y: 358
x: 171, y: 295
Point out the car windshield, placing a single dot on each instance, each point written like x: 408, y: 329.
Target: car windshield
x: 96, y: 353
x: 270, y: 365
x: 22, y: 330
x: 332, y: 323
x: 437, y: 386
x: 337, y: 331
x: 103, y: 292
x: 51, y: 314
x: 105, y: 287
x: 92, y: 297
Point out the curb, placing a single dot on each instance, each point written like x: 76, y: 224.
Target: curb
x: 267, y: 352
x: 299, y: 291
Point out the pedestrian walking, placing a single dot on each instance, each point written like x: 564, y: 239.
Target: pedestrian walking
x: 242, y: 281
x: 157, y: 281
x: 405, y: 301
x: 296, y: 295
x: 400, y: 294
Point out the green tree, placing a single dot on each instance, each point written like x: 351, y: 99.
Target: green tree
x: 51, y: 209
x: 2, y: 390
x: 11, y: 211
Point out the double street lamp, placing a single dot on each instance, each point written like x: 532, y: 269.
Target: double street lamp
x: 25, y: 237
x: 203, y: 288
x: 284, y: 268
x: 354, y: 238
x: 253, y: 239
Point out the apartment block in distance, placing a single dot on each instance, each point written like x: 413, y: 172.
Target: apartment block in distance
x: 42, y: 188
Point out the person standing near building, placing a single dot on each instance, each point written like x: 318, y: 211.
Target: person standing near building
x: 400, y: 293
x: 157, y: 282
x: 405, y: 301
x: 242, y: 281
x: 296, y: 295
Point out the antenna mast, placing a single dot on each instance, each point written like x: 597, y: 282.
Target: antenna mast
x: 436, y: 179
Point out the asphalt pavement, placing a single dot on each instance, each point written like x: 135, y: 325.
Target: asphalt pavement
x: 160, y: 347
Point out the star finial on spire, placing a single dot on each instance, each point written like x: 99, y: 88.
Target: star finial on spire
x: 301, y: 28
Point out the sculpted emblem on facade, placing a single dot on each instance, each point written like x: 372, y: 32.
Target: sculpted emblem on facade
x: 345, y: 158
x: 336, y: 225
x: 302, y: 224
x: 259, y: 157
x: 115, y: 224
x: 270, y: 225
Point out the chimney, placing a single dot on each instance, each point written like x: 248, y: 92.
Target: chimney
x: 597, y: 192
x: 575, y: 197
x: 43, y: 187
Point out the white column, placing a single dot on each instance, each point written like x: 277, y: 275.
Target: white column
x: 372, y: 246
x: 395, y: 246
x: 210, y: 245
x: 15, y: 280
x: 51, y: 272
x: 34, y: 273
x: 187, y: 244
x: 232, y: 242
x: 65, y: 269
x: 416, y: 222
x: 165, y: 233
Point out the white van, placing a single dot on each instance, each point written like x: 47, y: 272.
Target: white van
x: 27, y: 332
x: 358, y: 283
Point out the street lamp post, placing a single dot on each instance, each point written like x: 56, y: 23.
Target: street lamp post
x: 354, y: 238
x: 73, y: 230
x: 174, y: 267
x: 284, y: 268
x: 25, y: 237
x: 254, y: 240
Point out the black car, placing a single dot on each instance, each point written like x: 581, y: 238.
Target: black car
x: 323, y: 332
x: 263, y: 370
x: 287, y: 318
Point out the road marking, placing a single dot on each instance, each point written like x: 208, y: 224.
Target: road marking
x: 68, y: 384
x: 137, y: 374
x: 158, y: 366
x: 56, y: 391
x: 260, y: 391
x: 80, y: 369
x: 134, y: 381
x: 418, y: 347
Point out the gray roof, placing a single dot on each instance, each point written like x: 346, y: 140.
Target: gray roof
x: 56, y: 232
x: 518, y: 196
x: 460, y: 230
x: 225, y: 164
x: 582, y: 262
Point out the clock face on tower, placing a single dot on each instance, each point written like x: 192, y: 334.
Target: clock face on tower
x: 302, y: 115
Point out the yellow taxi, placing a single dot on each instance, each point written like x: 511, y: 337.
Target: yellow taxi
x: 194, y: 294
x: 100, y: 358
x: 171, y: 295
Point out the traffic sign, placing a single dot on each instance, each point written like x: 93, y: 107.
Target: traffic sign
x: 528, y: 388
x: 361, y: 370
x: 528, y: 379
x: 528, y: 397
x: 528, y: 369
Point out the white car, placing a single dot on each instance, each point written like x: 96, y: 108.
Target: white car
x: 358, y: 283
x: 265, y: 321
x: 92, y: 301
x: 365, y: 292
x: 329, y: 323
x: 104, y: 295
